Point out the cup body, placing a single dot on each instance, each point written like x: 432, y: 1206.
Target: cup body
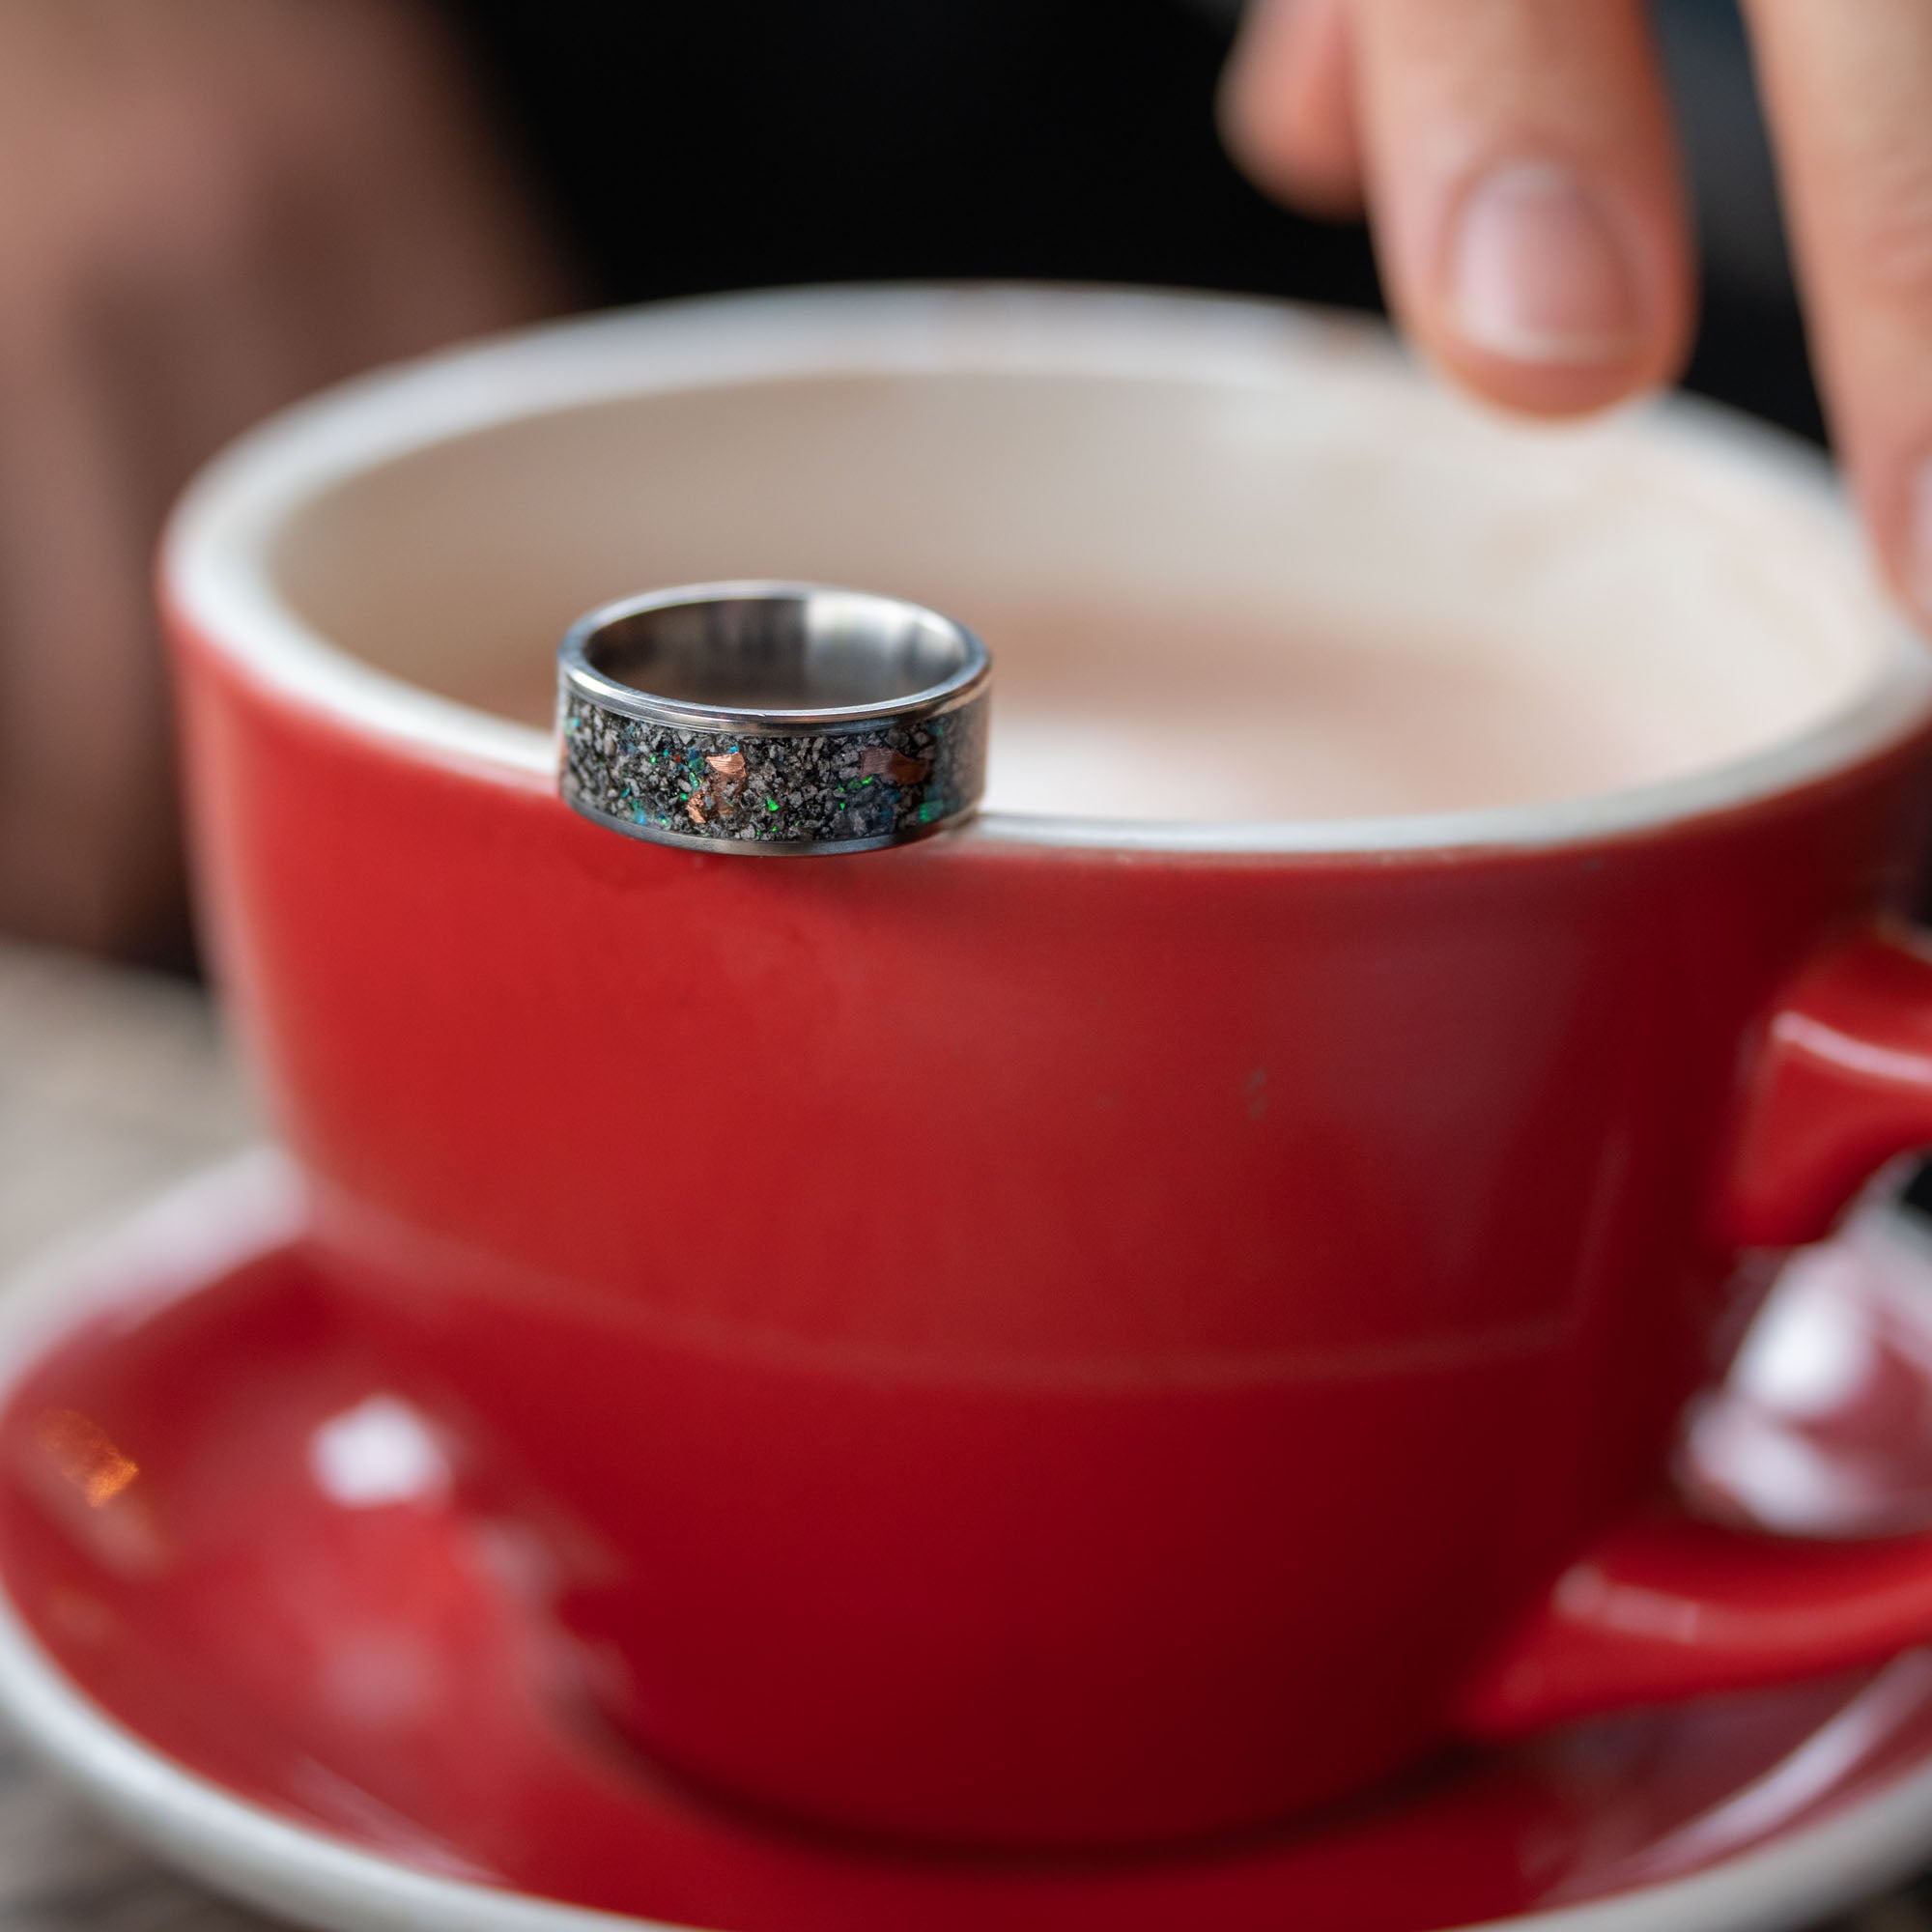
x: 1051, y: 1335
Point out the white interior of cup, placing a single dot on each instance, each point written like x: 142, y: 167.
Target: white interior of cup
x: 1250, y: 581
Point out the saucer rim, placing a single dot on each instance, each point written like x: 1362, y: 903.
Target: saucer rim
x: 225, y: 1214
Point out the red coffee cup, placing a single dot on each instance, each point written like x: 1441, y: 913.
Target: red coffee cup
x: 1093, y: 1328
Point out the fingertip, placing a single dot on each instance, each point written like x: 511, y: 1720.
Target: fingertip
x: 1552, y: 391
x: 1911, y: 559
x: 1891, y: 486
x: 1551, y: 299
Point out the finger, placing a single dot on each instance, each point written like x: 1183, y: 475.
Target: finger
x: 1850, y: 96
x: 1526, y: 197
x: 1288, y: 106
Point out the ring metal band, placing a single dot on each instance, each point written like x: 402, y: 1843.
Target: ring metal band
x: 771, y: 719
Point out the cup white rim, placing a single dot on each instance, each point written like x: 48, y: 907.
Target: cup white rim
x: 215, y: 552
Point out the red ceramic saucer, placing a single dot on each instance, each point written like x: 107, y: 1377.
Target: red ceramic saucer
x: 276, y: 1606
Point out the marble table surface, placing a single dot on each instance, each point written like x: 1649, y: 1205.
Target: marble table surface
x: 112, y: 1083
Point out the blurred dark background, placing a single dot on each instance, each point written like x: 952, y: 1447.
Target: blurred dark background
x: 742, y: 143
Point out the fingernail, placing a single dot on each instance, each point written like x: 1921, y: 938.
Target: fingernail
x: 1537, y: 272
x: 1918, y: 543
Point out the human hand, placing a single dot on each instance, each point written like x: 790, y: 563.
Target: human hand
x: 206, y: 208
x: 1516, y: 157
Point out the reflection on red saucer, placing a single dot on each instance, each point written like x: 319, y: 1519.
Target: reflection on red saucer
x: 276, y: 1558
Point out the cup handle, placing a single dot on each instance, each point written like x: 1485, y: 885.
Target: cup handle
x: 1666, y: 1607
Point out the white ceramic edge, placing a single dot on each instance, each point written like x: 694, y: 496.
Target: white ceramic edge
x: 230, y: 1212
x: 238, y: 498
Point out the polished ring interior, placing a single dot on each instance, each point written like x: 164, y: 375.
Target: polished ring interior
x: 771, y: 718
